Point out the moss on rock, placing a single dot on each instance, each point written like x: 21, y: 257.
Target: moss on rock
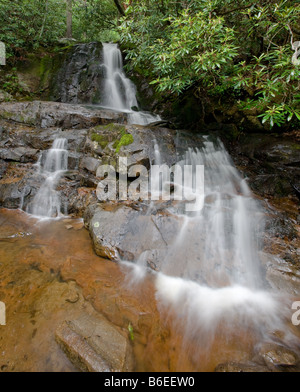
x: 125, y: 140
x: 111, y: 134
x: 100, y: 139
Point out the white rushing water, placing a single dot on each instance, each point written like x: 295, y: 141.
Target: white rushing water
x: 225, y: 230
x: 211, y: 273
x: 47, y: 203
x: 119, y: 92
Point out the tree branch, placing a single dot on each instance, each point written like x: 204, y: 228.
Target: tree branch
x: 235, y: 9
x: 44, y: 20
x: 119, y: 7
x: 69, y: 19
x: 291, y: 33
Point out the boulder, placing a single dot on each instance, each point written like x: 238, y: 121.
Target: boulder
x: 93, y: 344
x: 5, y: 97
x: 19, y: 154
x: 276, y: 356
x: 90, y: 164
x: 123, y: 232
x: 149, y: 236
x: 18, y: 184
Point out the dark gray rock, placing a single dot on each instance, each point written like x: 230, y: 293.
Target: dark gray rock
x: 42, y: 139
x: 279, y: 225
x: 19, y: 154
x: 73, y: 160
x: 272, y: 163
x: 19, y: 185
x: 3, y: 167
x: 80, y: 77
x: 123, y: 232
x: 103, y: 140
x: 53, y: 114
x: 90, y: 164
x: 80, y: 200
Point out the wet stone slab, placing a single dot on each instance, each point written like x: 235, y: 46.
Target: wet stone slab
x: 93, y: 344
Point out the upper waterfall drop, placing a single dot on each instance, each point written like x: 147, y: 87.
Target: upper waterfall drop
x: 119, y: 92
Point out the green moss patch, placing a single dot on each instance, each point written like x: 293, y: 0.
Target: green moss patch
x: 101, y: 140
x: 111, y: 133
x: 124, y: 141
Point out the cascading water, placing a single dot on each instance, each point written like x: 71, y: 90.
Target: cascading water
x: 46, y: 202
x: 225, y: 229
x: 211, y: 272
x: 119, y: 92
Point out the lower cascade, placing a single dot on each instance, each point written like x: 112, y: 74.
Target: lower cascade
x: 226, y: 228
x: 46, y: 202
x: 211, y: 271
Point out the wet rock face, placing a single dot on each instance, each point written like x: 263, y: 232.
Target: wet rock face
x: 276, y: 356
x: 17, y: 184
x: 3, y: 167
x: 95, y: 345
x: 106, y: 142
x: 52, y: 114
x: 269, y: 357
x: 272, y: 163
x: 126, y: 233
x: 94, y: 138
x: 79, y: 79
x: 19, y: 154
x: 21, y: 147
x: 29, y: 129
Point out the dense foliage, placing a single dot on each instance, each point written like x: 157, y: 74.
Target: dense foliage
x: 28, y: 24
x: 25, y: 24
x: 224, y: 48
x: 237, y: 50
x: 95, y: 20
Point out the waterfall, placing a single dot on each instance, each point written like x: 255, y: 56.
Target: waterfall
x: 211, y: 272
x: 46, y: 202
x: 225, y: 229
x: 119, y: 92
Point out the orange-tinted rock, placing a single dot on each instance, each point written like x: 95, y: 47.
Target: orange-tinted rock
x: 50, y: 275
